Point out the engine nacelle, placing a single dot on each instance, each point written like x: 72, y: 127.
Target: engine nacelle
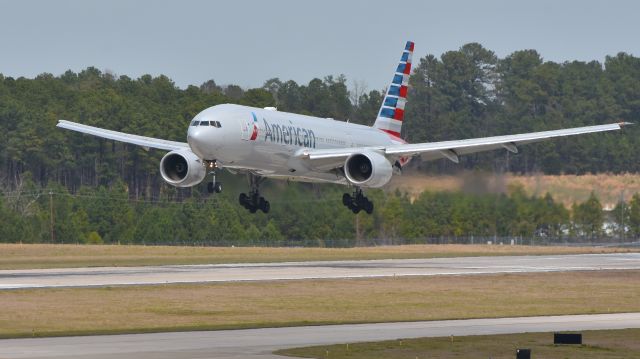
x: 182, y: 168
x: 368, y: 169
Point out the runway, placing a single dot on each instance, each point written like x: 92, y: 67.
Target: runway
x: 260, y: 343
x: 112, y: 276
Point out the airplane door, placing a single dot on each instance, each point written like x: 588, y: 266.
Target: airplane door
x: 350, y: 140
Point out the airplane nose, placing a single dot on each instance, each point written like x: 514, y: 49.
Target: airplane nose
x: 192, y: 136
x: 196, y: 140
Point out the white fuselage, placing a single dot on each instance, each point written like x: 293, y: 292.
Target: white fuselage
x: 266, y: 141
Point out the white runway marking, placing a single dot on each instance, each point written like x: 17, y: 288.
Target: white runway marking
x: 113, y: 276
x: 16, y: 286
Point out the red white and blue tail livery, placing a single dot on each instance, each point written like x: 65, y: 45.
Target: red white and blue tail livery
x: 391, y: 112
x: 266, y: 143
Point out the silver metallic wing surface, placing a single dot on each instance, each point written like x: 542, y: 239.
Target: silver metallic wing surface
x: 452, y: 149
x: 449, y: 149
x: 148, y: 142
x: 324, y: 160
x: 340, y: 152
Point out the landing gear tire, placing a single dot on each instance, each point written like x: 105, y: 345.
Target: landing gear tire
x: 244, y: 200
x: 346, y: 199
x: 214, y: 187
x: 253, y: 201
x: 357, y: 202
x: 265, y: 206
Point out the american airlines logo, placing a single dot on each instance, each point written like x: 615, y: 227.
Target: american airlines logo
x: 289, y: 135
x: 254, y: 133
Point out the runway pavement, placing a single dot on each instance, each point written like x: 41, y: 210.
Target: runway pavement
x: 260, y: 343
x: 109, y: 276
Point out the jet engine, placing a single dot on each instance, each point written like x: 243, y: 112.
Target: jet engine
x: 368, y: 169
x: 182, y: 168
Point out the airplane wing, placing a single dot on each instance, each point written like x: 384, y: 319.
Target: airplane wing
x: 451, y: 149
x: 146, y: 142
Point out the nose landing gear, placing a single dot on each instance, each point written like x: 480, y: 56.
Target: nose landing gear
x: 213, y: 186
x: 357, y: 202
x: 253, y: 201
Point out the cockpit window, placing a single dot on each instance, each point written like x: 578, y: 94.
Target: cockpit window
x: 206, y: 123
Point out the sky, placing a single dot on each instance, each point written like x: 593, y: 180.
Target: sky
x: 247, y: 42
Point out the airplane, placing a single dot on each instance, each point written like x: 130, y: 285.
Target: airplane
x: 266, y: 143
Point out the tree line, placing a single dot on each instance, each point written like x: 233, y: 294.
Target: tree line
x: 302, y: 215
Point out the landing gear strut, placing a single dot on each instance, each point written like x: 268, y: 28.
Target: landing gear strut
x: 213, y: 186
x: 253, y: 201
x: 358, y: 201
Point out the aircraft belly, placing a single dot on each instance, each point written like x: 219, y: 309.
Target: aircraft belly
x: 311, y: 177
x: 262, y: 158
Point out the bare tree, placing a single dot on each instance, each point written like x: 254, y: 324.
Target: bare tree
x: 358, y: 88
x: 19, y: 200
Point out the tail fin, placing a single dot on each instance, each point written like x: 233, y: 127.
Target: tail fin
x: 392, y: 110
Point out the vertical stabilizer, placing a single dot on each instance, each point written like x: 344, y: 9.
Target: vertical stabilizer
x: 391, y: 112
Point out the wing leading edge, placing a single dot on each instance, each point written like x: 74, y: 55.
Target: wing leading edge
x: 146, y: 142
x: 453, y: 149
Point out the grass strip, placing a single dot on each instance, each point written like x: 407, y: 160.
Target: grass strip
x: 28, y: 256
x: 601, y: 344
x: 140, y: 309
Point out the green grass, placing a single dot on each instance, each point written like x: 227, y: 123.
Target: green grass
x: 175, y: 307
x: 26, y: 256
x: 605, y: 344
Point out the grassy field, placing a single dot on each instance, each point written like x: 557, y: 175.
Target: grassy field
x: 605, y: 344
x: 75, y: 311
x: 564, y: 188
x: 24, y: 256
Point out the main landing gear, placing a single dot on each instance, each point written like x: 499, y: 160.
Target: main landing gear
x: 253, y: 201
x: 358, y: 201
x: 213, y: 186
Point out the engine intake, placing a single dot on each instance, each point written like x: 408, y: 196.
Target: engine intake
x: 182, y: 168
x: 368, y: 169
